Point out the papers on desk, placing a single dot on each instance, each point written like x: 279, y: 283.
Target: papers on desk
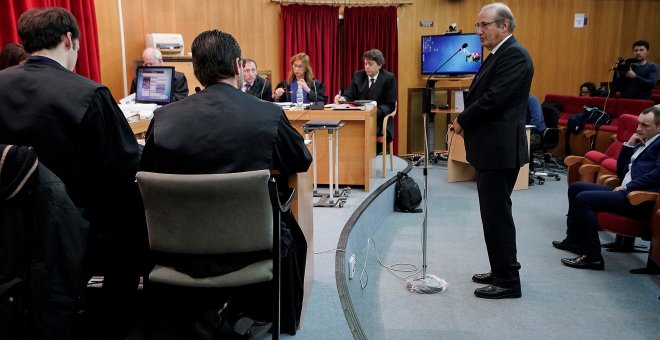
x: 290, y: 105
x: 348, y: 106
x: 135, y: 112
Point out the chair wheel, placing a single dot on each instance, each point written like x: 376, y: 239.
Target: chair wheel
x: 341, y: 204
x: 541, y: 181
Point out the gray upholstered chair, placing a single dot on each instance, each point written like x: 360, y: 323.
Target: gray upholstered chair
x: 215, y: 214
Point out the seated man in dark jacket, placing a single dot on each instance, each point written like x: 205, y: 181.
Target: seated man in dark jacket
x: 374, y: 83
x: 639, y: 166
x: 153, y: 57
x: 254, y: 84
x: 223, y: 130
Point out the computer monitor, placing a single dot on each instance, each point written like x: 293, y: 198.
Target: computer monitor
x: 436, y: 49
x: 154, y: 84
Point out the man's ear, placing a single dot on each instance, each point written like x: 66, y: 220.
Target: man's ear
x: 68, y: 41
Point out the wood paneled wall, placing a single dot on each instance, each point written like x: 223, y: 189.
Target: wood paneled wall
x: 564, y: 57
x: 254, y: 23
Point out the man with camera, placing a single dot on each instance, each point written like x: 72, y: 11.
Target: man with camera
x: 636, y: 77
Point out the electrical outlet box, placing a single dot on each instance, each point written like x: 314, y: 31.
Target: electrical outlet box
x: 351, y: 267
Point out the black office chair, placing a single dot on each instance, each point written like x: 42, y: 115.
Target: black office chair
x: 539, y: 155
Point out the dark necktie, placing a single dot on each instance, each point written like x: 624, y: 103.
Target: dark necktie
x: 247, y: 87
x: 371, y: 81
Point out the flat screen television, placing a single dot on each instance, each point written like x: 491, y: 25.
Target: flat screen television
x: 436, y: 49
x: 154, y: 84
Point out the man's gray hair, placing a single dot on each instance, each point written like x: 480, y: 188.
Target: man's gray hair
x: 154, y: 53
x: 502, y: 13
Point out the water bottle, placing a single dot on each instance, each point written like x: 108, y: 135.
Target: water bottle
x: 299, y: 97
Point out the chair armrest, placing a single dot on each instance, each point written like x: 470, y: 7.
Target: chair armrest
x: 570, y: 160
x: 391, y: 115
x: 589, y: 133
x: 611, y: 181
x: 639, y: 197
x: 588, y: 169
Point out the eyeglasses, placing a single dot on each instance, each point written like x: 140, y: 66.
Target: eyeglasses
x: 482, y: 25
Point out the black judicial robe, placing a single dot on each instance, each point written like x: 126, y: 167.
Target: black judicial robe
x: 261, y: 89
x: 223, y: 130
x: 81, y: 135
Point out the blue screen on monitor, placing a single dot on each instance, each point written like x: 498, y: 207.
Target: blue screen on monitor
x: 154, y: 84
x: 436, y: 49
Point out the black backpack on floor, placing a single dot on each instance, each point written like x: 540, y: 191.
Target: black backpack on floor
x: 407, y: 194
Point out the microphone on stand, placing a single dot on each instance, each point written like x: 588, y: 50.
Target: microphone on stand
x: 428, y: 283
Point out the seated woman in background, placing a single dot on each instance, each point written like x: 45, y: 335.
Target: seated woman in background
x: 301, y: 75
x: 12, y: 54
x: 588, y: 89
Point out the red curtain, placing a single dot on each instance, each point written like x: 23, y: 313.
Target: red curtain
x: 366, y: 28
x: 312, y: 30
x: 82, y: 10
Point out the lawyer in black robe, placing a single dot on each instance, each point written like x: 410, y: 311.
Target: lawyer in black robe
x: 81, y: 135
x: 223, y: 130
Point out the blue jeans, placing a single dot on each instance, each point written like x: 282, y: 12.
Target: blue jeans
x: 584, y: 200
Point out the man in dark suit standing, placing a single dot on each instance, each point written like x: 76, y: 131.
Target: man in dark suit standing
x: 253, y: 83
x: 374, y: 83
x: 493, y: 125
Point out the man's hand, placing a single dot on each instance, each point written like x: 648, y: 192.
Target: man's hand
x: 457, y: 128
x: 635, y: 139
x: 620, y: 188
x: 631, y: 74
x: 339, y: 99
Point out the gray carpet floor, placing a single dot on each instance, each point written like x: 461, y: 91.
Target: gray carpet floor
x: 558, y: 302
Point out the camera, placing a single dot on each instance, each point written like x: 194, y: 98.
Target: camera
x: 624, y: 65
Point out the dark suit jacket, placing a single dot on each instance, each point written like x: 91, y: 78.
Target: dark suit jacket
x: 645, y: 170
x: 261, y: 89
x: 495, y: 107
x: 180, y: 86
x: 317, y: 93
x: 383, y: 91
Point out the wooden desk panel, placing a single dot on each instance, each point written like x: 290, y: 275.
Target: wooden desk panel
x: 459, y: 170
x: 357, y: 144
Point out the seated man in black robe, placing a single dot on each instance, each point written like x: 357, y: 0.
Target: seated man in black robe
x: 81, y: 135
x: 153, y: 57
x: 254, y: 84
x: 223, y: 130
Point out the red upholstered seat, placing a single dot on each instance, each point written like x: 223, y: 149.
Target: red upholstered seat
x: 621, y: 225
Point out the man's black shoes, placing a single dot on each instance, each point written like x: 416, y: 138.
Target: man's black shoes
x: 584, y: 262
x: 565, y: 245
x: 486, y: 278
x: 495, y: 292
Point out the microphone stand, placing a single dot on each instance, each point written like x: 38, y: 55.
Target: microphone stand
x: 428, y: 284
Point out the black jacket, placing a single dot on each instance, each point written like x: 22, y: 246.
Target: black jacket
x: 43, y: 236
x: 316, y: 93
x: 383, y: 91
x: 261, y: 89
x: 495, y: 109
